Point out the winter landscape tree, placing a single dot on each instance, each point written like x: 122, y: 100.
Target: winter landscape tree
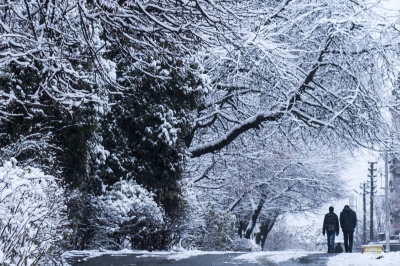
x: 238, y: 105
x: 305, y: 83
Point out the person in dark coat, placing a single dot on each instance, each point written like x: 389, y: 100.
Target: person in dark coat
x: 348, y: 222
x: 331, y: 230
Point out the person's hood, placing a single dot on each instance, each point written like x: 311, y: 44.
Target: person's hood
x: 346, y: 209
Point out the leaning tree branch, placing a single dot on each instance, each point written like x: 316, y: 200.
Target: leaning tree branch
x: 256, y: 120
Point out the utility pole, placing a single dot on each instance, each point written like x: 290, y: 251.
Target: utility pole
x: 371, y: 221
x: 387, y: 233
x: 364, y: 188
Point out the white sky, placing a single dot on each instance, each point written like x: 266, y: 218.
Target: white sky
x: 392, y: 4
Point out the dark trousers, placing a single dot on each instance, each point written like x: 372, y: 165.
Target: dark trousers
x: 331, y: 241
x: 348, y: 241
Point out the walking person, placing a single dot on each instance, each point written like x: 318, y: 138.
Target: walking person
x: 331, y: 227
x: 348, y: 222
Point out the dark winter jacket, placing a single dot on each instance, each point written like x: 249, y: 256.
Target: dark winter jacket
x: 326, y: 220
x: 348, y: 219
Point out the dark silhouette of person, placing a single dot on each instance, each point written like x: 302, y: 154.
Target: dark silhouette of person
x: 348, y: 222
x: 331, y: 227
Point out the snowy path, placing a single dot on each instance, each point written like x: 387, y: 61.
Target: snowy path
x: 199, y: 258
x: 202, y: 259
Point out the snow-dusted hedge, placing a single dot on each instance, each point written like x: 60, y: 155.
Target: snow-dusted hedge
x: 30, y: 215
x: 220, y: 230
x: 209, y: 228
x: 124, y: 216
x: 128, y: 212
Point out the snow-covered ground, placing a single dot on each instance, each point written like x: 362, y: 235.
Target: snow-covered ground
x: 344, y: 259
x: 366, y: 259
x: 273, y: 256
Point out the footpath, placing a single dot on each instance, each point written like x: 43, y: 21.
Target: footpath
x: 315, y: 259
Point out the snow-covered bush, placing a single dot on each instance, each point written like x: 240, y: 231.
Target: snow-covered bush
x: 207, y: 226
x: 30, y: 215
x: 127, y: 216
x: 220, y: 230
x: 244, y: 244
x: 124, y: 216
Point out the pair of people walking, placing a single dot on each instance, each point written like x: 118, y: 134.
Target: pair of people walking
x: 348, y: 222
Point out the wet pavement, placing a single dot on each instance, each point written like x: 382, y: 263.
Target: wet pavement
x: 310, y: 260
x: 317, y: 259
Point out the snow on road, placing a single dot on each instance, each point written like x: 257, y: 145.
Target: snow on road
x: 366, y: 259
x: 273, y: 256
x: 344, y: 259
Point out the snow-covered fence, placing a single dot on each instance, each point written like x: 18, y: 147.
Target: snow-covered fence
x: 30, y: 215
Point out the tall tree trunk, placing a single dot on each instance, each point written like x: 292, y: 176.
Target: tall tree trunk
x: 254, y: 218
x: 242, y: 228
x: 265, y: 228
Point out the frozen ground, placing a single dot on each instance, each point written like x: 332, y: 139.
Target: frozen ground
x: 344, y: 259
x: 366, y: 259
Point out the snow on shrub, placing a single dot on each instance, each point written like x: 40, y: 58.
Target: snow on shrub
x: 29, y: 215
x: 127, y: 212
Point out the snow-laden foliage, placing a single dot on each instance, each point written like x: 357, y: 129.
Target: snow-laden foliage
x: 129, y: 213
x: 265, y: 179
x: 281, y: 237
x: 102, y: 91
x: 31, y: 205
x: 315, y: 66
x: 310, y: 236
x: 125, y: 216
x: 219, y: 230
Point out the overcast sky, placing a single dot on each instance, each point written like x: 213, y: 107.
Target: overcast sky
x: 395, y: 4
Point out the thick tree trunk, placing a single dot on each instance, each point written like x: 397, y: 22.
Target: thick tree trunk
x: 254, y: 218
x: 242, y: 228
x: 265, y: 228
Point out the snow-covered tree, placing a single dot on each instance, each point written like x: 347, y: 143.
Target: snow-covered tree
x: 219, y: 230
x: 31, y: 216
x: 281, y: 237
x: 305, y: 83
x: 99, y: 91
x: 313, y: 66
x: 266, y: 178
